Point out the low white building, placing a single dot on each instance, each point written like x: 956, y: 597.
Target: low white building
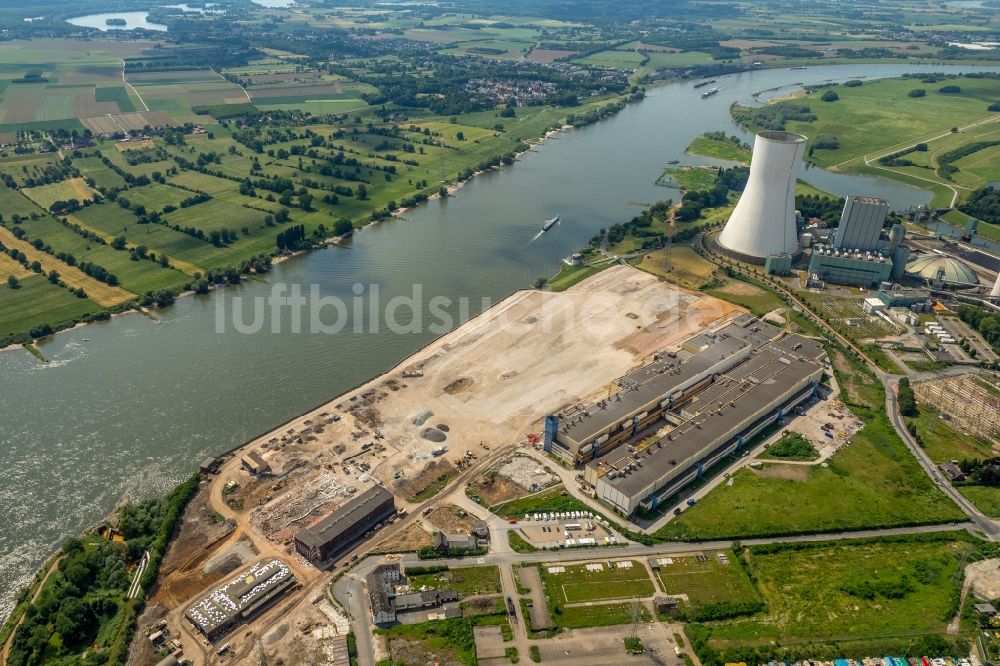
x: 872, y: 305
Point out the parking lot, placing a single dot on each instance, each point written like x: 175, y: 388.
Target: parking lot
x: 577, y: 529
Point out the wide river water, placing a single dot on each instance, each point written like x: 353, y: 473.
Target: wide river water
x: 131, y: 406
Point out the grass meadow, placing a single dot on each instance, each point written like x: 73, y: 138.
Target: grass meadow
x: 849, y: 594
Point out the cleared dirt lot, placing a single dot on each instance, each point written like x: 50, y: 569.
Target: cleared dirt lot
x: 481, y: 388
x: 490, y: 382
x: 604, y: 645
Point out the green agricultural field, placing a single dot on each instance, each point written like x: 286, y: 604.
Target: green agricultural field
x: 614, y: 59
x: 986, y: 499
x: 39, y: 302
x: 154, y: 197
x: 663, y: 60
x: 118, y: 95
x: 135, y: 276
x: 46, y: 195
x: 858, y: 597
x: 93, y: 168
x: 216, y: 215
x: 466, y: 581
x: 25, y: 168
x: 707, y: 581
x: 12, y: 202
x: 577, y: 584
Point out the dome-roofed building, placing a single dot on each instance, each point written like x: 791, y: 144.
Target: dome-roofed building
x: 939, y: 267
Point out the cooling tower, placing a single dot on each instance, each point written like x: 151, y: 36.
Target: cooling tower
x: 763, y: 223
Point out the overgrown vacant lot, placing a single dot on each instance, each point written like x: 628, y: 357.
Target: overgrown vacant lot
x: 467, y: 581
x: 707, y: 581
x: 879, y: 594
x: 986, y: 498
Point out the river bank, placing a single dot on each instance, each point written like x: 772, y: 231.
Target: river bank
x: 285, y: 256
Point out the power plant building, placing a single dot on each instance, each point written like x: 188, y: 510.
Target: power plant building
x: 348, y: 523
x: 240, y: 598
x: 941, y: 269
x: 858, y: 255
x: 850, y: 266
x: 763, y: 223
x: 861, y: 223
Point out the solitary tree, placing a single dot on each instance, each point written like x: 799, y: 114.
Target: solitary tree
x: 13, y: 282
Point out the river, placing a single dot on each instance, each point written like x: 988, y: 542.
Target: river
x: 129, y: 407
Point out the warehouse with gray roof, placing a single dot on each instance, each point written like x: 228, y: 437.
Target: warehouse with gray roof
x: 345, y: 525
x: 765, y: 378
x: 646, y: 395
x: 696, y: 404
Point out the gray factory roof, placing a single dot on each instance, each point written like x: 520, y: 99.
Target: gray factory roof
x: 642, y: 387
x: 241, y: 595
x: 343, y: 518
x: 748, y: 391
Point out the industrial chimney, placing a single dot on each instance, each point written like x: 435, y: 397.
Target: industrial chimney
x: 763, y: 223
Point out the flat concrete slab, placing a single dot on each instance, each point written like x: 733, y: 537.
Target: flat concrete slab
x: 605, y: 645
x: 489, y: 642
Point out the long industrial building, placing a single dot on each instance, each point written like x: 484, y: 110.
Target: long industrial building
x: 348, y: 523
x: 240, y: 598
x: 676, y: 416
